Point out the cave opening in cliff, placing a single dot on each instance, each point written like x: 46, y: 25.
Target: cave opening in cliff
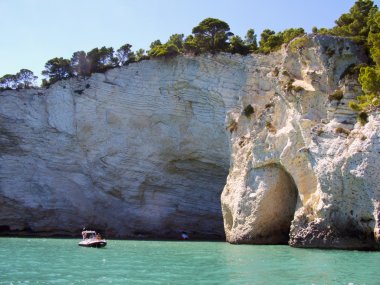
x: 285, y: 204
x: 277, y: 205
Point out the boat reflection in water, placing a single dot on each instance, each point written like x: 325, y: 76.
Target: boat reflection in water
x: 92, y: 239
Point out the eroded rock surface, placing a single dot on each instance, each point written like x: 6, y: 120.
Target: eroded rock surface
x: 144, y: 151
x: 304, y: 141
x: 140, y: 151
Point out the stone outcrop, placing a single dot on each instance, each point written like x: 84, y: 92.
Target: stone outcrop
x: 140, y: 151
x: 145, y: 150
x: 303, y: 171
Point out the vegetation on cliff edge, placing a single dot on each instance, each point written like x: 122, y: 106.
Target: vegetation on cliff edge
x: 361, y: 24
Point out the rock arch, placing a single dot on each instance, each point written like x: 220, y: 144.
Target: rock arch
x: 263, y: 211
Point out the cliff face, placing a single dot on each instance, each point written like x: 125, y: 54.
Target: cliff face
x: 144, y: 151
x: 141, y: 151
x: 302, y: 171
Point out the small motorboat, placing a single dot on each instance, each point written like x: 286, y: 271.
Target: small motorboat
x: 92, y: 239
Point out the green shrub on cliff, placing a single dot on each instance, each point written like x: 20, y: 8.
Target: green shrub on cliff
x: 166, y: 50
x: 271, y: 41
x: 369, y: 76
x: 290, y: 34
x: 337, y: 95
x: 172, y: 47
x: 362, y: 25
x: 248, y: 111
x: 298, y: 44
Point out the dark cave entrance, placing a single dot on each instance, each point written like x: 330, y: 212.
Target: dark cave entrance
x: 277, y: 207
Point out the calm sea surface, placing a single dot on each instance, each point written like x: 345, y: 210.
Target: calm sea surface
x: 62, y: 261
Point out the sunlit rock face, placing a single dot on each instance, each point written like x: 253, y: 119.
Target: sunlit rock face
x: 302, y: 171
x: 140, y: 151
x: 144, y: 151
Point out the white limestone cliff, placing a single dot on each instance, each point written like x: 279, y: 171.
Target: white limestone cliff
x: 140, y: 151
x: 145, y: 151
x: 303, y: 171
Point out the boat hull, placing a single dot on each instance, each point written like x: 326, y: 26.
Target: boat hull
x: 97, y: 244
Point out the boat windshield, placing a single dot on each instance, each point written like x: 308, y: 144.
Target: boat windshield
x: 89, y: 234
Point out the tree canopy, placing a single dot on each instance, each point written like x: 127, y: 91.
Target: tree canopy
x: 100, y: 60
x: 177, y: 40
x: 211, y: 35
x: 237, y: 45
x: 362, y: 25
x: 369, y: 76
x: 85, y: 63
x: 355, y: 24
x: 166, y: 50
x: 124, y: 54
x: 190, y: 45
x: 251, y: 40
x: 56, y: 69
x: 173, y: 47
x: 271, y: 41
x: 23, y: 79
x: 80, y: 64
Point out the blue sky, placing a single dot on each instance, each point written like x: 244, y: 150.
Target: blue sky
x: 34, y: 31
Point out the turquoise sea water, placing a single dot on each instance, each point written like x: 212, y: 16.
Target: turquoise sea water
x: 62, y: 261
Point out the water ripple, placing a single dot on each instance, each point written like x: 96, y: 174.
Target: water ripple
x: 61, y: 261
